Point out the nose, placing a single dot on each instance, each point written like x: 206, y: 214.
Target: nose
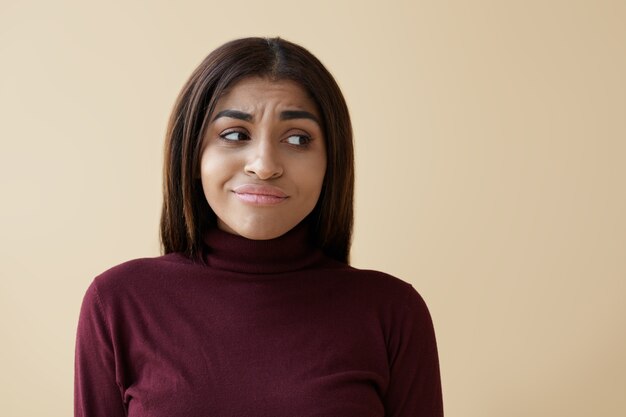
x: 264, y: 161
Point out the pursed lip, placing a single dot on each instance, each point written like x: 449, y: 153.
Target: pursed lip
x: 255, y: 189
x: 260, y: 195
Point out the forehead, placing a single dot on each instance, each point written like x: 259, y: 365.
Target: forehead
x: 258, y: 93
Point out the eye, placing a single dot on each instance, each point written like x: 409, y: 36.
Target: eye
x: 299, y: 140
x: 235, y: 136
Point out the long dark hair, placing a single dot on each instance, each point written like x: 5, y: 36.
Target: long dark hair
x: 186, y: 214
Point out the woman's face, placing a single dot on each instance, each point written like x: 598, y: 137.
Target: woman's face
x: 263, y: 159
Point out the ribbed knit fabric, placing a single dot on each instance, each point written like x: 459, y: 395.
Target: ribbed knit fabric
x: 268, y: 329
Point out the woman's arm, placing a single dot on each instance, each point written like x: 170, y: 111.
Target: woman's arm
x: 415, y: 383
x: 96, y: 391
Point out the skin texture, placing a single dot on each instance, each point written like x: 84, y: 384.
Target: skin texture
x: 263, y: 159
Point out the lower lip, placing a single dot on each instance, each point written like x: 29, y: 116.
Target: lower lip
x: 260, y: 199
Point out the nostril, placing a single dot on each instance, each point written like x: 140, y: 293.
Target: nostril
x: 264, y: 165
x: 263, y: 170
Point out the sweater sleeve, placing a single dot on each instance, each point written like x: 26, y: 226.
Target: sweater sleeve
x: 415, y: 384
x: 96, y: 392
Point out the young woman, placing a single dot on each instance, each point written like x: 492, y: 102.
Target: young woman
x: 253, y: 310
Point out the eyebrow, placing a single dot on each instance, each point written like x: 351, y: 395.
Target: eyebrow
x: 233, y: 114
x: 285, y: 115
x: 298, y: 114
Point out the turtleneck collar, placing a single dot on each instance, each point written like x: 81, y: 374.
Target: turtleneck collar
x: 289, y: 252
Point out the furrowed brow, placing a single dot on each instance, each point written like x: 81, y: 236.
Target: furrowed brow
x: 233, y: 114
x: 298, y: 114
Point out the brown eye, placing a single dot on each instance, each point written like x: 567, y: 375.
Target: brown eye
x: 234, y: 136
x: 300, y: 140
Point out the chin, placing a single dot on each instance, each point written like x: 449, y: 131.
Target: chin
x: 259, y: 234
x: 258, y: 230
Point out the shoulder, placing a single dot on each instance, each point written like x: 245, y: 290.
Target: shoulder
x: 140, y: 274
x: 380, y: 282
x: 383, y: 289
x: 145, y: 264
x: 392, y: 302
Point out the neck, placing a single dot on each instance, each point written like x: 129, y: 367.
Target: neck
x: 289, y: 252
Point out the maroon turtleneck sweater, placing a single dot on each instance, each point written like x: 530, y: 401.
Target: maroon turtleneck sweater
x: 269, y: 328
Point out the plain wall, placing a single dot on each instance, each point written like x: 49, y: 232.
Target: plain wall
x: 491, y: 167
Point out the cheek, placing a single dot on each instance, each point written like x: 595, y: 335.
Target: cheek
x: 320, y: 169
x: 312, y: 176
x: 214, y: 172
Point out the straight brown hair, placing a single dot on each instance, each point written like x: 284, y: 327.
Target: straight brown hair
x: 186, y: 214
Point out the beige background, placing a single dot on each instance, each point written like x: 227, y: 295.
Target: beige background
x: 491, y: 145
